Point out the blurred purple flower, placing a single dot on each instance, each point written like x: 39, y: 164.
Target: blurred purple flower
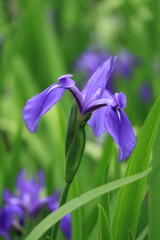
x: 65, y: 223
x: 145, y: 92
x: 90, y: 60
x: 28, y: 200
x: 126, y: 62
x: 6, y: 218
x: 28, y: 196
x: 106, y: 109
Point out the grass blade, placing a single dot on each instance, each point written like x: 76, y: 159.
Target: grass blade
x: 44, y: 225
x: 132, y: 195
x: 154, y: 194
x: 143, y: 234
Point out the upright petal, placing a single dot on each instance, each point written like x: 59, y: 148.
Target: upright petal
x: 21, y: 179
x: 38, y: 105
x: 98, y: 81
x: 119, y: 127
x: 41, y: 179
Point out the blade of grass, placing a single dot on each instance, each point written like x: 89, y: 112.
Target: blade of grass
x: 130, y: 198
x: 77, y: 215
x: 154, y: 194
x: 105, y: 213
x: 44, y: 225
x: 103, y: 224
x: 143, y: 234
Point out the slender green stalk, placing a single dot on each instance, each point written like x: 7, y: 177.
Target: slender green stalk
x: 62, y: 201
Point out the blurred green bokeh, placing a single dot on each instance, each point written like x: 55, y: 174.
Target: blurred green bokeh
x: 41, y: 40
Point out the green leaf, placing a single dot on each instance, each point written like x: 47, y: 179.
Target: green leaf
x: 143, y: 234
x: 77, y: 223
x: 154, y: 195
x: 54, y: 217
x: 93, y: 234
x: 108, y: 148
x: 105, y: 202
x: 130, y: 197
x: 130, y: 235
x: 103, y: 224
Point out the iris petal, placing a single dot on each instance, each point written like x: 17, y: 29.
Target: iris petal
x: 38, y: 105
x: 5, y: 235
x: 65, y: 81
x: 66, y: 226
x: 6, y: 216
x: 65, y: 223
x: 119, y: 127
x: 96, y: 121
x: 98, y: 81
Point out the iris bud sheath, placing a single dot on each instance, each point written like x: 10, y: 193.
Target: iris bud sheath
x: 75, y: 143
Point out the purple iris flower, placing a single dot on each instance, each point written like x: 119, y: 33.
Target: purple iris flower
x: 90, y: 60
x: 145, y: 92
x: 65, y: 223
x: 28, y: 196
x: 107, y: 109
x: 126, y: 63
x: 6, y: 218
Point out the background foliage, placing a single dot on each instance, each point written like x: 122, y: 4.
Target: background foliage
x: 41, y: 40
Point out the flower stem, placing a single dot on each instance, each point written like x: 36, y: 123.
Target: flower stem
x: 62, y: 201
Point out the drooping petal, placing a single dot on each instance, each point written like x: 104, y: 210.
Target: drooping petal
x: 65, y: 223
x: 5, y: 235
x: 65, y: 81
x: 38, y: 105
x: 66, y: 227
x: 50, y: 200
x: 98, y: 81
x: 6, y: 216
x: 12, y: 199
x: 119, y: 127
x: 97, y: 120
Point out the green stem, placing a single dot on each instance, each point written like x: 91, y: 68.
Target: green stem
x: 62, y: 201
